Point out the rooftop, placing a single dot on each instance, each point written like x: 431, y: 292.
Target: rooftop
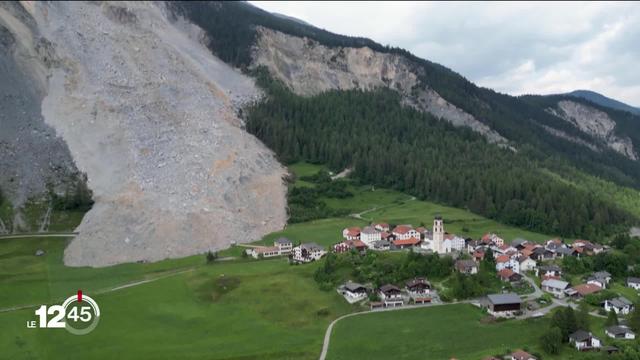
x: 501, y: 299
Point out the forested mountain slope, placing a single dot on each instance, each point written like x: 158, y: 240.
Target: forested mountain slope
x: 563, y: 134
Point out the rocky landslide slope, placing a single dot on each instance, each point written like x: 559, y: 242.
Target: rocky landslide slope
x: 595, y: 123
x: 309, y: 68
x: 150, y: 115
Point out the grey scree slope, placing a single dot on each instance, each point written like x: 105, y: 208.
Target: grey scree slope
x: 150, y: 115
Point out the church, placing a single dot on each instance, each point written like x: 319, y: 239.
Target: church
x: 440, y: 242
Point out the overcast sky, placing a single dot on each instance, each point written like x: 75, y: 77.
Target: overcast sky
x: 516, y: 48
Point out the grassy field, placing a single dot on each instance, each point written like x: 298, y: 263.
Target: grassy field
x: 445, y: 332
x: 227, y: 310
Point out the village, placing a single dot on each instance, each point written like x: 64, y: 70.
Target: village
x: 520, y: 263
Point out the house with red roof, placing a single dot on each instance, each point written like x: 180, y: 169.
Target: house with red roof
x: 406, y: 243
x: 351, y: 233
x: 404, y: 232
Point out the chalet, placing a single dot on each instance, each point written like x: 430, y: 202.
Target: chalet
x: 419, y: 289
x: 619, y: 305
x: 284, y: 245
x: 586, y: 247
x: 600, y: 278
x: 348, y: 245
x: 565, y: 251
x: 352, y: 233
x: 369, y: 235
x: 354, y: 291
x: 381, y: 245
x: 264, y: 252
x: 492, y: 239
x: 583, y: 340
x: 507, y: 262
x: 549, y: 271
x: 503, y: 305
x: 509, y: 275
x: 555, y: 287
x: 466, y: 266
x: 619, y: 332
x: 381, y: 227
x: 406, y: 243
x: 308, y: 252
x: 391, y: 295
x: 582, y: 290
x: 519, y: 243
x: 404, y: 232
x: 527, y: 264
x: 542, y: 254
x: 554, y: 244
x: 521, y: 355
x: 633, y: 282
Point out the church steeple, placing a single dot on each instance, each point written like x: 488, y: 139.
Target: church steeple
x: 438, y: 235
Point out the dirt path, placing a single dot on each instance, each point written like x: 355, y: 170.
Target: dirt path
x: 20, y: 236
x: 359, y: 215
x: 112, y: 289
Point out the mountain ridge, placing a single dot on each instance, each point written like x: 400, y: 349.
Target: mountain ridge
x: 603, y: 100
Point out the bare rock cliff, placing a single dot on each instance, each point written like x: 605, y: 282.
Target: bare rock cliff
x: 150, y: 115
x: 595, y: 123
x: 309, y: 68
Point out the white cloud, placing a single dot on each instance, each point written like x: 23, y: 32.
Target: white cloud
x: 512, y: 47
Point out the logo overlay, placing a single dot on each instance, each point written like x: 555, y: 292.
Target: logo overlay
x: 79, y: 314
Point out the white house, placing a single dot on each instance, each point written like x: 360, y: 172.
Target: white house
x: 457, y: 243
x: 263, y: 252
x: 555, y: 287
x: 370, y: 235
x: 404, y: 232
x: 549, y: 270
x: 507, y: 262
x: 354, y: 291
x: 308, y: 252
x: 492, y: 238
x: 619, y: 305
x: 527, y: 263
x: 352, y: 233
x: 633, y: 282
x: 284, y: 245
x: 381, y: 227
x: 600, y: 278
x: 391, y: 295
x: 619, y: 332
x: 583, y: 340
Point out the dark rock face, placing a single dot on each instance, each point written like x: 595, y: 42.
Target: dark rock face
x: 31, y: 155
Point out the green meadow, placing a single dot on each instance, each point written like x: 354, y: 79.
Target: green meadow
x: 442, y: 332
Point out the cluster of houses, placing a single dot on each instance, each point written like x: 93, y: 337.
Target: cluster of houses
x: 382, y: 237
x: 303, y: 253
x: 417, y: 291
